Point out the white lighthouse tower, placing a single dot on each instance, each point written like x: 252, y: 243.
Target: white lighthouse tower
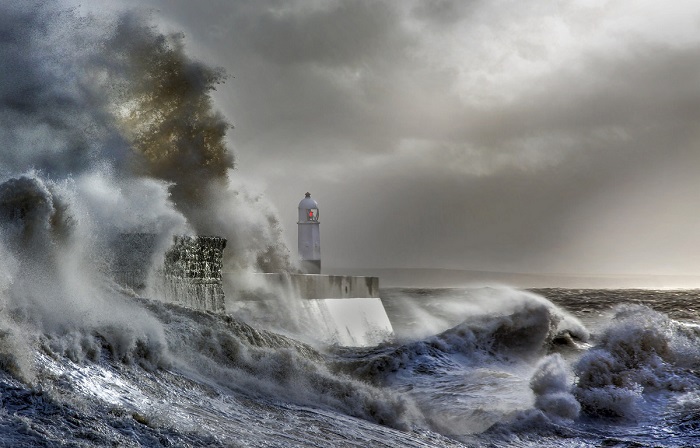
x: 309, y: 236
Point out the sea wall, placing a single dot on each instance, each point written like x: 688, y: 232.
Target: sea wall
x: 192, y: 272
x: 308, y: 286
x: 132, y: 255
x: 340, y: 309
x: 337, y: 309
x: 189, y: 273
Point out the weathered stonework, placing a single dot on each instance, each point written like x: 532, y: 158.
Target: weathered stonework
x: 192, y: 272
x: 189, y: 273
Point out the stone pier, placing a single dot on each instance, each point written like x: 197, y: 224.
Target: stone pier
x: 345, y: 310
x: 192, y: 272
x: 189, y: 273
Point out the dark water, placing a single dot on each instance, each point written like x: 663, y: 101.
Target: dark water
x: 481, y: 367
x: 681, y: 305
x: 611, y: 368
x: 99, y: 140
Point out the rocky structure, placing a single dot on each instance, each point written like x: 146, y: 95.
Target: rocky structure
x: 189, y: 273
x: 192, y: 272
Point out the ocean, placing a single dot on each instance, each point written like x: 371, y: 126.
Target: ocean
x: 480, y: 367
x: 109, y: 129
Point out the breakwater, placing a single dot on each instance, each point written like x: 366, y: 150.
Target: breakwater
x: 341, y: 309
x: 187, y: 273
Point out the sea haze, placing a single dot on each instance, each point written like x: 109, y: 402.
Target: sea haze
x: 451, y: 278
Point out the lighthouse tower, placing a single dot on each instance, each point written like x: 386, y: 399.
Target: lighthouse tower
x: 309, y: 236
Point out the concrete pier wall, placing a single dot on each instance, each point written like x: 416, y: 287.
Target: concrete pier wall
x: 310, y: 286
x: 340, y: 309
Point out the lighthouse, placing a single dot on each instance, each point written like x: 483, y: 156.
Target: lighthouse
x: 309, y: 236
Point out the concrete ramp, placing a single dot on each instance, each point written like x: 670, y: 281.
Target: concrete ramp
x: 339, y: 309
x: 355, y: 322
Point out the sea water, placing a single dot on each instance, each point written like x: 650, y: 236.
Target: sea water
x: 465, y: 367
x: 96, y: 140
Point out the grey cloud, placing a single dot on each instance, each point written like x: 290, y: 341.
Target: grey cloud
x: 600, y: 208
x: 441, y: 13
x: 333, y: 34
x: 339, y: 89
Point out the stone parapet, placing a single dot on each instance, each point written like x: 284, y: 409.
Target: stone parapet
x: 188, y: 274
x: 191, y: 272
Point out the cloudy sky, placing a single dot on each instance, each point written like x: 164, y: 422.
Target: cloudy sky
x: 525, y: 136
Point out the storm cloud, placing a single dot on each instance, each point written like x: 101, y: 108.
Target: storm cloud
x: 503, y: 135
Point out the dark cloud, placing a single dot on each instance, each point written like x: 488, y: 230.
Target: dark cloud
x: 524, y: 137
x: 333, y: 35
x: 442, y: 13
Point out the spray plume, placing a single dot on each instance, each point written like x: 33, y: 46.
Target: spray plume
x: 163, y: 105
x: 115, y: 96
x: 106, y: 127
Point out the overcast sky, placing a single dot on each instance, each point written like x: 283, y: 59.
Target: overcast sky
x: 522, y: 136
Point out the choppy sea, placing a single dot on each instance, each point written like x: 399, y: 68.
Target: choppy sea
x: 481, y: 367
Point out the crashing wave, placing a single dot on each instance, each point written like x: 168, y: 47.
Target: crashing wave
x: 524, y: 327
x: 640, y: 351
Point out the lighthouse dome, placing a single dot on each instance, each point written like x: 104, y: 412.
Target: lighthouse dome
x: 308, y: 203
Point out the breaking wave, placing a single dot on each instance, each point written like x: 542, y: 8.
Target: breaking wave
x: 640, y: 352
x: 221, y: 350
x: 108, y: 128
x: 497, y: 325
